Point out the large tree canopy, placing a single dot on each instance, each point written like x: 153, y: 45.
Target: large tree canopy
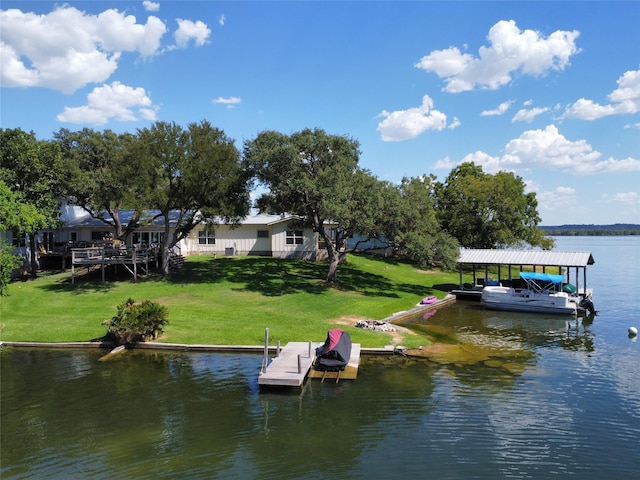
x: 18, y: 216
x: 104, y: 177
x: 488, y: 211
x: 36, y: 170
x: 412, y: 226
x: 192, y: 175
x: 316, y: 176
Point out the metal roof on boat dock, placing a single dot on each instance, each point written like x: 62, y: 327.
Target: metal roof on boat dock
x: 524, y: 257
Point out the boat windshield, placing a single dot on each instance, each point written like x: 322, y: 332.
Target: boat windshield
x: 549, y: 280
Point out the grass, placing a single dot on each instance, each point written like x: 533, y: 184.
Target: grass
x: 226, y: 301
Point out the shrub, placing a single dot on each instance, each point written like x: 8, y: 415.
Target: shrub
x: 135, y: 323
x: 8, y: 263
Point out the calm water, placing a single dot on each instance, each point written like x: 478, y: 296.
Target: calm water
x: 563, y: 403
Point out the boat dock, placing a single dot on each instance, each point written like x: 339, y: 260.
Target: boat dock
x: 294, y: 363
x: 291, y: 365
x: 350, y: 372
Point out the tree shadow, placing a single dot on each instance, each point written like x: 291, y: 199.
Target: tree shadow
x: 268, y: 276
x: 275, y: 277
x: 91, y: 281
x: 445, y: 287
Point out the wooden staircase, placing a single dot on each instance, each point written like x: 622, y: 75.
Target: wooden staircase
x: 176, y: 261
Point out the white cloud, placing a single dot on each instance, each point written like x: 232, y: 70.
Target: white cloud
x: 489, y: 164
x: 503, y: 107
x: 114, y: 101
x: 445, y: 164
x: 625, y: 198
x: 559, y: 199
x: 407, y: 124
x: 525, y: 115
x: 67, y: 48
x: 454, y: 124
x: 624, y: 100
x: 188, y: 30
x: 151, y: 6
x: 511, y: 50
x: 230, y: 102
x: 549, y: 149
x: 222, y: 20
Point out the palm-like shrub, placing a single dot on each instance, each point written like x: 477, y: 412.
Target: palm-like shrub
x: 135, y: 323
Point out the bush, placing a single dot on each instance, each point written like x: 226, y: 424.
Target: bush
x: 135, y: 323
x: 8, y: 263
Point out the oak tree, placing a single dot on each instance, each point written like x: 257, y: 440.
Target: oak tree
x: 315, y: 176
x: 488, y: 211
x: 193, y: 175
x: 34, y: 168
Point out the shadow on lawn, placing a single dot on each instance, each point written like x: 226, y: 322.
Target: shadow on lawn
x: 91, y: 281
x: 266, y: 275
x: 275, y: 277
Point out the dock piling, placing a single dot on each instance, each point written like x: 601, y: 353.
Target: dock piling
x: 265, y: 358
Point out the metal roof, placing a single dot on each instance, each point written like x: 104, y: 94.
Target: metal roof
x: 525, y: 257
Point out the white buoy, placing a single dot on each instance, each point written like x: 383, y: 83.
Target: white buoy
x: 633, y: 331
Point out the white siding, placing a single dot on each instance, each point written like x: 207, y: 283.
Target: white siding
x: 244, y: 240
x: 306, y: 251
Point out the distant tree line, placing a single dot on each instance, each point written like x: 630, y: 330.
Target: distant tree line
x: 617, y: 229
x: 196, y: 174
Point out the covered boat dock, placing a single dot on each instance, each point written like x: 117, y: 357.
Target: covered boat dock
x: 571, y: 264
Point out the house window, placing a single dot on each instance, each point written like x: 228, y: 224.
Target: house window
x: 140, y: 237
x: 97, y: 236
x: 294, y: 237
x: 156, y: 237
x: 47, y: 241
x: 207, y: 237
x: 263, y: 233
x: 20, y: 240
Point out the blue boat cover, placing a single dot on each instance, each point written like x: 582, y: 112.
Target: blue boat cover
x: 555, y: 279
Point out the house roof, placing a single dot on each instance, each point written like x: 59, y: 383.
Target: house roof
x: 525, y: 257
x: 83, y: 219
x: 76, y: 217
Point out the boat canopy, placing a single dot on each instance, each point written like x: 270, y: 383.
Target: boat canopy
x: 555, y: 279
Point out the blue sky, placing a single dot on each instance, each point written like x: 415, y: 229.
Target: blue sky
x: 547, y: 90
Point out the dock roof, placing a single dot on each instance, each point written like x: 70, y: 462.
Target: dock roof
x: 525, y: 257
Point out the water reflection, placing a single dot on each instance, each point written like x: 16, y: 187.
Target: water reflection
x: 466, y: 334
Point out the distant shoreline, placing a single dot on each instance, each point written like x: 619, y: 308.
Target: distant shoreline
x: 618, y: 229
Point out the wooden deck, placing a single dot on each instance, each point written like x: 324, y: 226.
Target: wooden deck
x: 101, y: 257
x: 295, y: 361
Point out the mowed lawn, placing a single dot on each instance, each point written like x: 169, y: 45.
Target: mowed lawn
x: 226, y: 301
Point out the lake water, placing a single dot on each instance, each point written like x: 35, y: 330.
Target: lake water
x: 564, y: 403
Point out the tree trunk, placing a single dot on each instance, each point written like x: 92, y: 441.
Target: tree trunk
x: 166, y: 246
x: 336, y: 254
x: 32, y: 254
x: 334, y: 261
x: 165, y: 259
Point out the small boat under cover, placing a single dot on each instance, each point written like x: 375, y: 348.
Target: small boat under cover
x: 334, y: 354
x: 543, y: 294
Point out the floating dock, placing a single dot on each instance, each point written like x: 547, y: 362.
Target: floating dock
x: 350, y: 372
x: 294, y: 363
x: 291, y: 365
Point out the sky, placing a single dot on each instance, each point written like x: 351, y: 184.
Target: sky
x: 548, y: 90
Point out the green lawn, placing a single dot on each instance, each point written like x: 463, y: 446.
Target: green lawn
x: 226, y: 301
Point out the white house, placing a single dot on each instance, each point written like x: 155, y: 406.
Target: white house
x: 266, y: 235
